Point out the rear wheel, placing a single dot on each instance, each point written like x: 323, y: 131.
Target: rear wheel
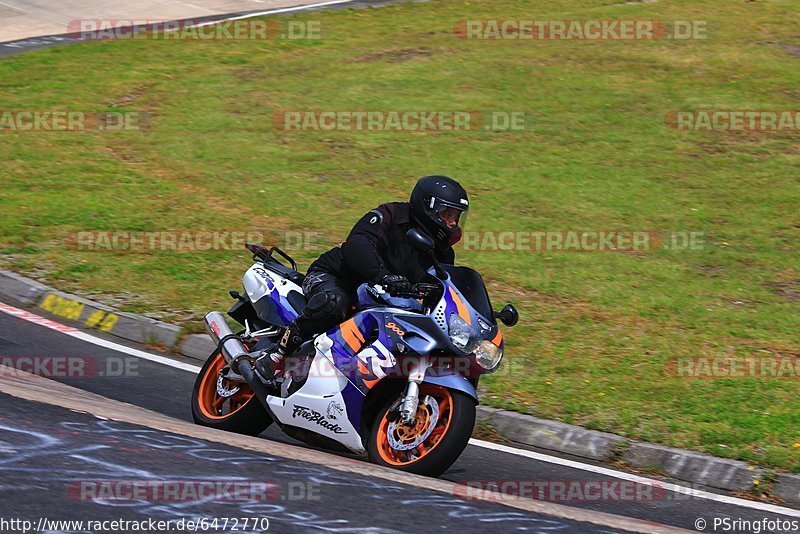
x: 226, y: 405
x: 432, y: 441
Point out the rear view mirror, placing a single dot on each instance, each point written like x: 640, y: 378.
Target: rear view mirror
x: 419, y: 241
x: 508, y: 315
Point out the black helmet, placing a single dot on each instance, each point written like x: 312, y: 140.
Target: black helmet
x: 439, y: 205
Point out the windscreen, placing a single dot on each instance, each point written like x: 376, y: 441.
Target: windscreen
x: 471, y: 285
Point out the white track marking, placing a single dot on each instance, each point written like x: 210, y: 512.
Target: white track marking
x: 689, y: 492
x: 219, y: 20
x: 88, y: 338
x: 273, y: 12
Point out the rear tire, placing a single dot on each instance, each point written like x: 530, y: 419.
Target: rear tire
x: 241, y: 413
x: 437, y: 452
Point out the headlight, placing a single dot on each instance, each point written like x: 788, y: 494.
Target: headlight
x: 464, y: 337
x: 488, y: 355
x: 462, y: 334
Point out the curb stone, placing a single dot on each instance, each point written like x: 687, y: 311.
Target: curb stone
x: 20, y: 288
x: 687, y: 466
x: 552, y: 435
x: 128, y: 326
x: 196, y: 346
x: 787, y: 488
x: 729, y: 475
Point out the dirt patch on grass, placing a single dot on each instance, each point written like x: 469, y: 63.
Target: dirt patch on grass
x: 786, y: 290
x: 249, y: 74
x: 711, y: 270
x: 792, y: 49
x: 134, y: 99
x: 396, y: 56
x: 722, y: 142
x: 130, y: 97
x: 120, y: 153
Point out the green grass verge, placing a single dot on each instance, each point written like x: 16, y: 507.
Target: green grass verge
x: 599, y: 330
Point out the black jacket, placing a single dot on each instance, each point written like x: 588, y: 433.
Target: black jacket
x: 376, y: 247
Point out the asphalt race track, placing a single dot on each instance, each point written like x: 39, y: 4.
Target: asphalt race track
x: 46, y: 449
x: 21, y: 19
x: 54, y: 447
x: 26, y: 26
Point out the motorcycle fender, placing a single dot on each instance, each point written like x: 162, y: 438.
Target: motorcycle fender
x: 454, y: 381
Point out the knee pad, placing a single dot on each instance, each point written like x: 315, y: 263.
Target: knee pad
x: 323, y: 305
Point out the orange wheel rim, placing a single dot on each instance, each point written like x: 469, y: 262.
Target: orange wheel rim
x: 211, y: 404
x: 422, y: 421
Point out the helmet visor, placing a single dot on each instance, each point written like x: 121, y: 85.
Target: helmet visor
x: 452, y: 217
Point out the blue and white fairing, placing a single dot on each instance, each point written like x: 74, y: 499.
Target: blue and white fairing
x: 272, y: 295
x: 353, y: 358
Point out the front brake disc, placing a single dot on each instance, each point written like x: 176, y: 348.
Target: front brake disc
x: 399, y: 445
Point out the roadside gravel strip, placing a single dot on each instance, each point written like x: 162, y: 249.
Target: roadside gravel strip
x: 35, y: 388
x: 546, y: 435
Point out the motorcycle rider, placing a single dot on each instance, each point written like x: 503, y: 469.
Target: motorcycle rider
x: 375, y: 251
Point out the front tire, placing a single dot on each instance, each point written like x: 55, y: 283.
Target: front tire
x: 241, y: 412
x: 418, y: 448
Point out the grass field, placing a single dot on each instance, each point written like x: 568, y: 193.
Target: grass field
x: 601, y: 332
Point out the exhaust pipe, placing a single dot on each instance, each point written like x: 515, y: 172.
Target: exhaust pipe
x: 233, y: 350
x: 235, y: 353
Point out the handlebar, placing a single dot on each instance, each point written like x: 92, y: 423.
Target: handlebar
x: 419, y: 290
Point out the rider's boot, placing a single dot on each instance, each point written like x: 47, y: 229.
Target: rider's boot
x: 270, y: 364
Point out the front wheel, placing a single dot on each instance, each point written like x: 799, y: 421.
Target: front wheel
x: 225, y: 405
x: 432, y: 441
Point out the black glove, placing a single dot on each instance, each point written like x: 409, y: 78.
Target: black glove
x: 394, y: 283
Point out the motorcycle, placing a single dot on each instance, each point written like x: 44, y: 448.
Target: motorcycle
x: 397, y: 380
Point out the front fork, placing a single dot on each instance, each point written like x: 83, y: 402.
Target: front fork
x: 410, y: 402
